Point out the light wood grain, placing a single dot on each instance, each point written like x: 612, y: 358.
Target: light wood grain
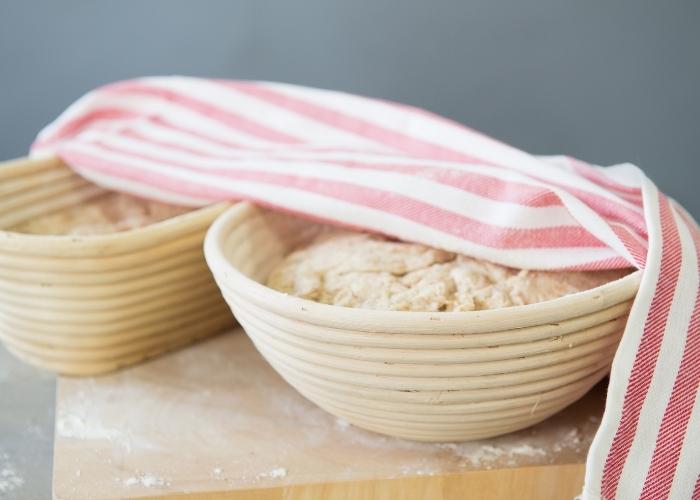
x: 218, y: 406
x: 559, y: 482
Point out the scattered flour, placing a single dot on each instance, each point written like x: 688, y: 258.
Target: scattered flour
x: 341, y: 424
x: 277, y: 472
x: 417, y: 471
x: 526, y: 449
x: 572, y: 437
x: 487, y: 455
x: 572, y: 440
x: 9, y: 479
x: 483, y: 455
x: 83, y: 417
x: 92, y: 416
x: 78, y: 427
x: 146, y: 480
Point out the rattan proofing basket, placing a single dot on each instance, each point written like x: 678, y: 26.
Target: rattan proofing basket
x: 84, y: 305
x: 421, y: 376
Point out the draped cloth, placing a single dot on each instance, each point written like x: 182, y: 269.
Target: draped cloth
x: 411, y: 174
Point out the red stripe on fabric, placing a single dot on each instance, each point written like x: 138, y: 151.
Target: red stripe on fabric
x: 445, y: 121
x: 175, y: 186
x: 170, y: 145
x: 276, y: 147
x: 615, y: 212
x: 635, y: 248
x: 590, y: 173
x: 429, y: 215
x: 81, y: 161
x: 483, y: 185
x: 545, y: 198
x: 124, y: 171
x: 600, y: 265
x: 155, y: 122
x: 162, y: 121
x: 210, y: 111
x: 82, y: 121
x: 180, y: 127
x: 415, y: 146
x: 361, y: 128
x: 647, y: 351
x: 609, y: 209
x: 412, y: 145
x: 429, y: 115
x: 408, y: 208
x: 696, y: 490
x: 479, y: 184
x: 670, y: 440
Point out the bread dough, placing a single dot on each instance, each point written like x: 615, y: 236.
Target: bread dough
x: 109, y: 213
x: 352, y: 269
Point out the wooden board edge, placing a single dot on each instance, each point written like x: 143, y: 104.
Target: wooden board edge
x: 547, y: 482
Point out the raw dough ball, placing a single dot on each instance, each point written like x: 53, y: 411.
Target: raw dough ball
x: 109, y: 213
x: 368, y: 271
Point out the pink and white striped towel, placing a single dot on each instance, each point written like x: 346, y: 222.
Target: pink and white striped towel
x: 414, y: 175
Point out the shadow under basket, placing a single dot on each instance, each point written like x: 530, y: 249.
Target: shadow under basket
x: 424, y: 376
x: 85, y: 305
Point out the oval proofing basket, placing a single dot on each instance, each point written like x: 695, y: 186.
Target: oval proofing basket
x: 84, y: 305
x: 421, y: 376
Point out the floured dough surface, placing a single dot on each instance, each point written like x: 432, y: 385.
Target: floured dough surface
x: 368, y: 271
x: 109, y: 213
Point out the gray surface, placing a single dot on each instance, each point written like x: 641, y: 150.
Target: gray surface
x: 604, y: 81
x: 26, y: 430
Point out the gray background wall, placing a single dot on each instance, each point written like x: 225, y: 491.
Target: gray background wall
x: 603, y: 81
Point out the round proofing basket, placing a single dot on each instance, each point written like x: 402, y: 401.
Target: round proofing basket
x: 424, y: 376
x: 84, y: 305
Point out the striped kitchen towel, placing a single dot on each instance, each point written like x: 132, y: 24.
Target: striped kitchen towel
x: 411, y: 174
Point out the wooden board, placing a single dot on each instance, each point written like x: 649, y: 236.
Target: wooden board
x: 214, y: 421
